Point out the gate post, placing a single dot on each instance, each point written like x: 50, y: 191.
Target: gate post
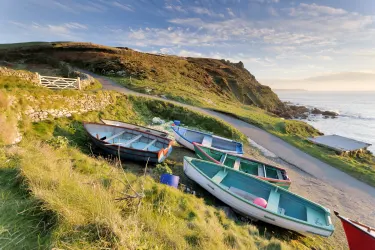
x: 79, y: 83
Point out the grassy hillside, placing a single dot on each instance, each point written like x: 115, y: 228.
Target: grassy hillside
x: 209, y: 83
x: 224, y: 80
x: 74, y: 199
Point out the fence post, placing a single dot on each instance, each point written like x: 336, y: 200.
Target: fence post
x: 39, y: 79
x: 79, y: 83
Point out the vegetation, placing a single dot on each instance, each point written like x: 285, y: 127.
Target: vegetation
x: 76, y: 200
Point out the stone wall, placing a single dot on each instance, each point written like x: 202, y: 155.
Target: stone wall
x: 60, y: 106
x: 26, y: 75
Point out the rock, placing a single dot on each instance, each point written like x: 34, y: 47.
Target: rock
x: 229, y: 212
x: 330, y: 113
x: 316, y: 111
x: 157, y: 120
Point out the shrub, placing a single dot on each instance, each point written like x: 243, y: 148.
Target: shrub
x: 161, y: 169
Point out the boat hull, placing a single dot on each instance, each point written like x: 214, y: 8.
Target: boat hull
x: 131, y: 151
x: 246, y: 209
x: 134, y: 155
x: 204, y: 156
x: 189, y: 144
x: 357, y: 236
x: 133, y: 126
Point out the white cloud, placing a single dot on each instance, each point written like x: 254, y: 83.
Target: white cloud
x: 265, y: 1
x: 315, y: 10
x: 72, y: 6
x: 176, y: 8
x: 205, y: 11
x: 65, y: 30
x: 230, y: 12
x: 125, y: 7
x: 272, y: 11
x: 187, y: 53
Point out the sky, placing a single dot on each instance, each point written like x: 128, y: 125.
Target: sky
x: 308, y: 44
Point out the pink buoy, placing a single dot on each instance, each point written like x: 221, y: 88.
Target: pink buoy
x: 260, y: 202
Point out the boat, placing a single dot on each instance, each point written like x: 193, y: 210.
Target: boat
x: 272, y: 174
x: 133, y: 126
x: 132, y: 144
x: 359, y: 236
x: 186, y: 137
x: 259, y: 199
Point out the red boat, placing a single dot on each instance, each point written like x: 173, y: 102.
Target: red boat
x: 359, y: 236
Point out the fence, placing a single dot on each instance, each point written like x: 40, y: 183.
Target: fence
x: 59, y: 82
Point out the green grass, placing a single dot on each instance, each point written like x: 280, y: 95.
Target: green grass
x: 23, y: 225
x: 21, y: 45
x: 77, y: 191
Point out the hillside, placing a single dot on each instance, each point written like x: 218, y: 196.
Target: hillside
x: 59, y: 194
x: 224, y: 81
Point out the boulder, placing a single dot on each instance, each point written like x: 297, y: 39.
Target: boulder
x: 330, y: 113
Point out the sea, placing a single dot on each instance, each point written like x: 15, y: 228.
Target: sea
x: 356, y: 109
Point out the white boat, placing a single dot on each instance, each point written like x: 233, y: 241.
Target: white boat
x: 136, y: 127
x: 186, y: 137
x: 241, y: 191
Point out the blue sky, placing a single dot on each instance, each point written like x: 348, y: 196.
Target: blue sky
x: 276, y: 39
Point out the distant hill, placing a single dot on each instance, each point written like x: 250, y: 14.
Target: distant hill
x: 227, y: 81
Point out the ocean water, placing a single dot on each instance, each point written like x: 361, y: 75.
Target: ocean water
x: 356, y: 109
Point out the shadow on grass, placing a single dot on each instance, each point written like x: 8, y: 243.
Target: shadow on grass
x: 23, y: 223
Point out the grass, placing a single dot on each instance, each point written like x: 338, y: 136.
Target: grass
x: 23, y: 225
x: 60, y: 183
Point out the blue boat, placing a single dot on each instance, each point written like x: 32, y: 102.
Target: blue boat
x: 186, y: 137
x: 132, y: 143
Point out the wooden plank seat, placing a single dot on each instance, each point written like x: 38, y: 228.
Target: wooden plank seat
x: 279, y: 175
x: 273, y: 201
x: 126, y: 144
x: 243, y: 194
x: 222, y: 159
x: 237, y: 163
x: 114, y: 136
x: 219, y: 176
x: 207, y: 141
x: 150, y: 144
x: 260, y: 171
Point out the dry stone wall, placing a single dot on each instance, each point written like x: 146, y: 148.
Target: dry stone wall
x: 26, y: 75
x: 56, y: 106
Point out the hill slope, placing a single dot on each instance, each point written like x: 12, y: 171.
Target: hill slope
x: 225, y: 81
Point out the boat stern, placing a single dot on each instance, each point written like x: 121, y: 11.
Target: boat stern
x: 239, y: 148
x: 164, y: 153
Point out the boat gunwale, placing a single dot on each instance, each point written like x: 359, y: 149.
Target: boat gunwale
x: 191, y: 142
x: 134, y: 149
x: 162, y: 132
x: 355, y: 224
x: 331, y: 229
x: 257, y: 176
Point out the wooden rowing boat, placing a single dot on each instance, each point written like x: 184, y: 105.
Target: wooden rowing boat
x: 272, y: 174
x: 242, y: 192
x: 359, y: 236
x: 132, y: 144
x: 186, y: 137
x: 136, y: 127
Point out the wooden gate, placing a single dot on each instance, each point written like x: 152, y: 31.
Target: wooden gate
x: 53, y: 82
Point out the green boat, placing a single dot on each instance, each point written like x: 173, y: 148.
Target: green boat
x: 260, y: 199
x: 261, y: 170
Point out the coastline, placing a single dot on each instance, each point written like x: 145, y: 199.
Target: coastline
x: 354, y: 119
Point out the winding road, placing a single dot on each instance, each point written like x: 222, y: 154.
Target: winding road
x: 353, y: 191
